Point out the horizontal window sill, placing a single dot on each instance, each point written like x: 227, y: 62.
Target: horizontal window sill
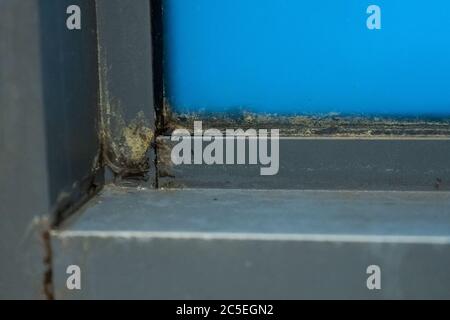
x: 250, y: 244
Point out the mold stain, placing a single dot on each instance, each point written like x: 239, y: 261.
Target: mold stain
x: 125, y: 143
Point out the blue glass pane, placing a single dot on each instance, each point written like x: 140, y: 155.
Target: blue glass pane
x: 308, y: 57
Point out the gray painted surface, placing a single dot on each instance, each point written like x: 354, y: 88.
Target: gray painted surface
x: 199, y: 244
x: 327, y: 164
x: 48, y: 139
x: 126, y: 84
x: 23, y: 187
x: 69, y: 79
x: 220, y: 244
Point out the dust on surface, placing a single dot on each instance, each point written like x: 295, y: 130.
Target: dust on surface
x: 125, y: 142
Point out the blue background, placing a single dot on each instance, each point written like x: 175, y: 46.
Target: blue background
x: 307, y: 57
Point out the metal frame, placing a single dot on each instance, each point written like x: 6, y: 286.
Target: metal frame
x: 127, y: 102
x: 316, y: 152
x: 49, y: 147
x: 326, y: 163
x: 56, y: 144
